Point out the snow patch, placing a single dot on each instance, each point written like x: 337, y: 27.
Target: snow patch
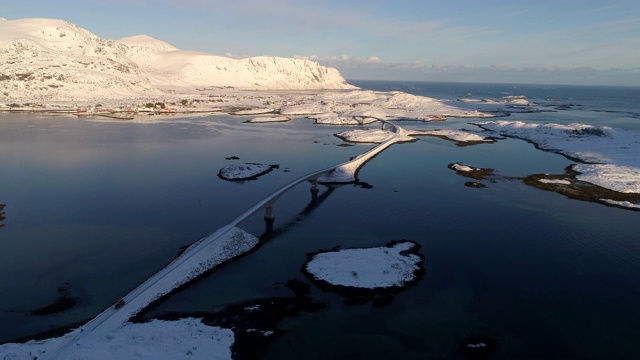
x: 463, y: 168
x: 625, y: 179
x: 555, y: 181
x: 626, y: 204
x: 255, y: 111
x: 268, y: 119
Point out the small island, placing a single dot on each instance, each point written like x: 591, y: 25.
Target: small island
x: 244, y: 171
x: 364, y: 274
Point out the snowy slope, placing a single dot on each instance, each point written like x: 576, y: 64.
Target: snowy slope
x: 45, y: 58
x: 169, y: 67
x: 54, y: 59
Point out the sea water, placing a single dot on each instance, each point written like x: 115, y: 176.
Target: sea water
x: 97, y: 207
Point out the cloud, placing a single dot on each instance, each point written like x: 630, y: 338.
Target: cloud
x: 343, y: 60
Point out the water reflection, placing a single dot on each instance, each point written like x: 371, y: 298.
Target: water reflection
x: 2, y: 217
x: 316, y: 201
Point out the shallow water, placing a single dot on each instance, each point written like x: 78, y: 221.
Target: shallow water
x: 103, y: 205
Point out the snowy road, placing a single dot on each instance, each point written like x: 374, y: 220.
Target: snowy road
x: 178, y: 272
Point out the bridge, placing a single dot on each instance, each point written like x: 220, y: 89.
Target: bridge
x: 226, y: 243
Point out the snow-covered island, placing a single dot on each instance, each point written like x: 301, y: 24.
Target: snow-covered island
x: 268, y: 119
x: 375, y: 136
x: 471, y: 171
x: 461, y: 137
x: 608, y: 158
x: 370, y: 271
x: 244, y: 171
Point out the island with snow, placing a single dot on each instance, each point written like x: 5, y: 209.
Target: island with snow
x: 367, y: 272
x: 608, y: 161
x: 244, y: 171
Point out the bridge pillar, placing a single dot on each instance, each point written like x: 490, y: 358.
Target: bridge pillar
x: 268, y: 215
x: 314, y: 189
x: 269, y: 218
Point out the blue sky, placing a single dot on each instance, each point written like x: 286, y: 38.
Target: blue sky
x: 561, y: 41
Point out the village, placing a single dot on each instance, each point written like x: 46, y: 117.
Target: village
x: 123, y: 111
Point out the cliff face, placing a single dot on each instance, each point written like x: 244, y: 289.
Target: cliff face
x: 53, y: 59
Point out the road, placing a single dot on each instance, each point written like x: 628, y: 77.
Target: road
x: 205, y: 254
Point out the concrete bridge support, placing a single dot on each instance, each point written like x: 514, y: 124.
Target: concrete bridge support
x: 268, y: 214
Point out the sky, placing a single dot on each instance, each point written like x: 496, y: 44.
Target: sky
x: 581, y: 42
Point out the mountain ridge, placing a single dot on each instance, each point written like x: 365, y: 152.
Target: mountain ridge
x: 51, y: 59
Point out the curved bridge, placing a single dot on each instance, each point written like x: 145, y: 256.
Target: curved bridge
x: 341, y: 173
x: 227, y: 242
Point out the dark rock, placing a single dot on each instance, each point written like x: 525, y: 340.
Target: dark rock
x: 474, y: 184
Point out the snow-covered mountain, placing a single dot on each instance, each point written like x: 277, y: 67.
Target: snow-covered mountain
x: 170, y: 67
x: 48, y: 59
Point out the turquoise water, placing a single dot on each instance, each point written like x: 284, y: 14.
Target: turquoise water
x: 103, y: 205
